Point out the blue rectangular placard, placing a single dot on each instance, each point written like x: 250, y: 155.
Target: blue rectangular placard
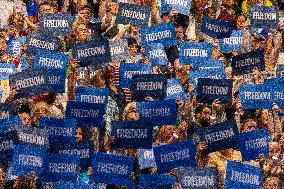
x: 127, y: 71
x: 30, y: 83
x: 174, y: 155
x: 56, y: 24
x: 60, y: 131
x: 28, y: 159
x: 146, y: 158
x: 279, y: 70
x: 245, y: 63
x: 75, y: 186
x: 162, y: 33
x: 243, y: 176
x: 41, y: 41
x: 56, y: 80
x: 216, y: 28
x: 92, y: 95
x: 150, y: 85
x: 156, y: 54
x: 10, y: 123
x: 6, y: 111
x: 92, y: 52
x: 207, y: 65
x: 111, y: 169
x: 175, y: 89
x: 61, y: 168
x: 191, y: 52
x: 232, y: 43
x: 50, y: 60
x: 253, y: 144
x: 84, y: 149
x: 7, y: 142
x: 198, y: 177
x: 130, y: 134
x: 6, y: 70
x: 157, y: 180
x: 264, y: 16
x: 86, y: 113
x: 209, y: 90
x: 220, y: 136
x: 158, y: 112
x: 119, y: 50
x: 181, y: 6
x: 216, y: 73
x: 133, y: 14
x: 255, y: 96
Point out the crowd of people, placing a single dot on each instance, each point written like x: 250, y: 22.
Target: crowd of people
x: 97, y: 20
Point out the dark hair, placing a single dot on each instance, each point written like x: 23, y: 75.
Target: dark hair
x: 24, y: 109
x: 131, y: 41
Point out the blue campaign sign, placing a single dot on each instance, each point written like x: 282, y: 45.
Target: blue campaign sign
x: 85, y: 113
x: 92, y: 95
x: 133, y: 14
x: 207, y: 65
x: 181, y: 6
x: 243, y: 176
x: 92, y: 52
x: 198, y: 177
x: 216, y: 73
x: 28, y: 159
x: 150, y: 85
x: 56, y: 80
x: 75, y: 186
x: 175, y: 89
x: 276, y: 89
x: 127, y: 71
x: 119, y: 50
x: 209, y: 90
x: 232, y: 43
x: 50, y: 60
x: 84, y: 149
x: 31, y: 136
x: 60, y: 131
x: 15, y: 45
x: 61, y: 168
x: 264, y: 17
x: 279, y: 70
x: 220, y: 136
x: 7, y: 142
x: 131, y: 134
x: 157, y: 180
x: 191, y: 52
x: 162, y: 33
x: 111, y: 169
x: 146, y: 158
x: 174, y: 155
x: 41, y: 41
x: 158, y: 112
x: 245, y: 63
x: 6, y: 70
x: 30, y: 83
x: 6, y: 111
x: 57, y: 24
x: 156, y: 54
x: 10, y: 123
x: 254, y: 143
x: 255, y: 96
x: 216, y: 28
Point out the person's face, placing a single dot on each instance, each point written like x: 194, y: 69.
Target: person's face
x: 265, y: 117
x: 241, y: 22
x: 132, y: 116
x: 100, y: 84
x: 258, y: 43
x: 26, y: 119
x: 79, y: 134
x: 83, y: 33
x: 46, y: 9
x: 90, y: 171
x: 41, y: 112
x: 211, y: 13
x: 133, y: 49
x: 180, y: 35
x: 281, y: 142
x: 249, y: 126
x: 170, y: 130
x: 114, y: 9
x: 273, y: 184
x: 228, y: 2
x: 206, y: 113
x: 85, y: 15
x: 19, y: 9
x: 274, y: 150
